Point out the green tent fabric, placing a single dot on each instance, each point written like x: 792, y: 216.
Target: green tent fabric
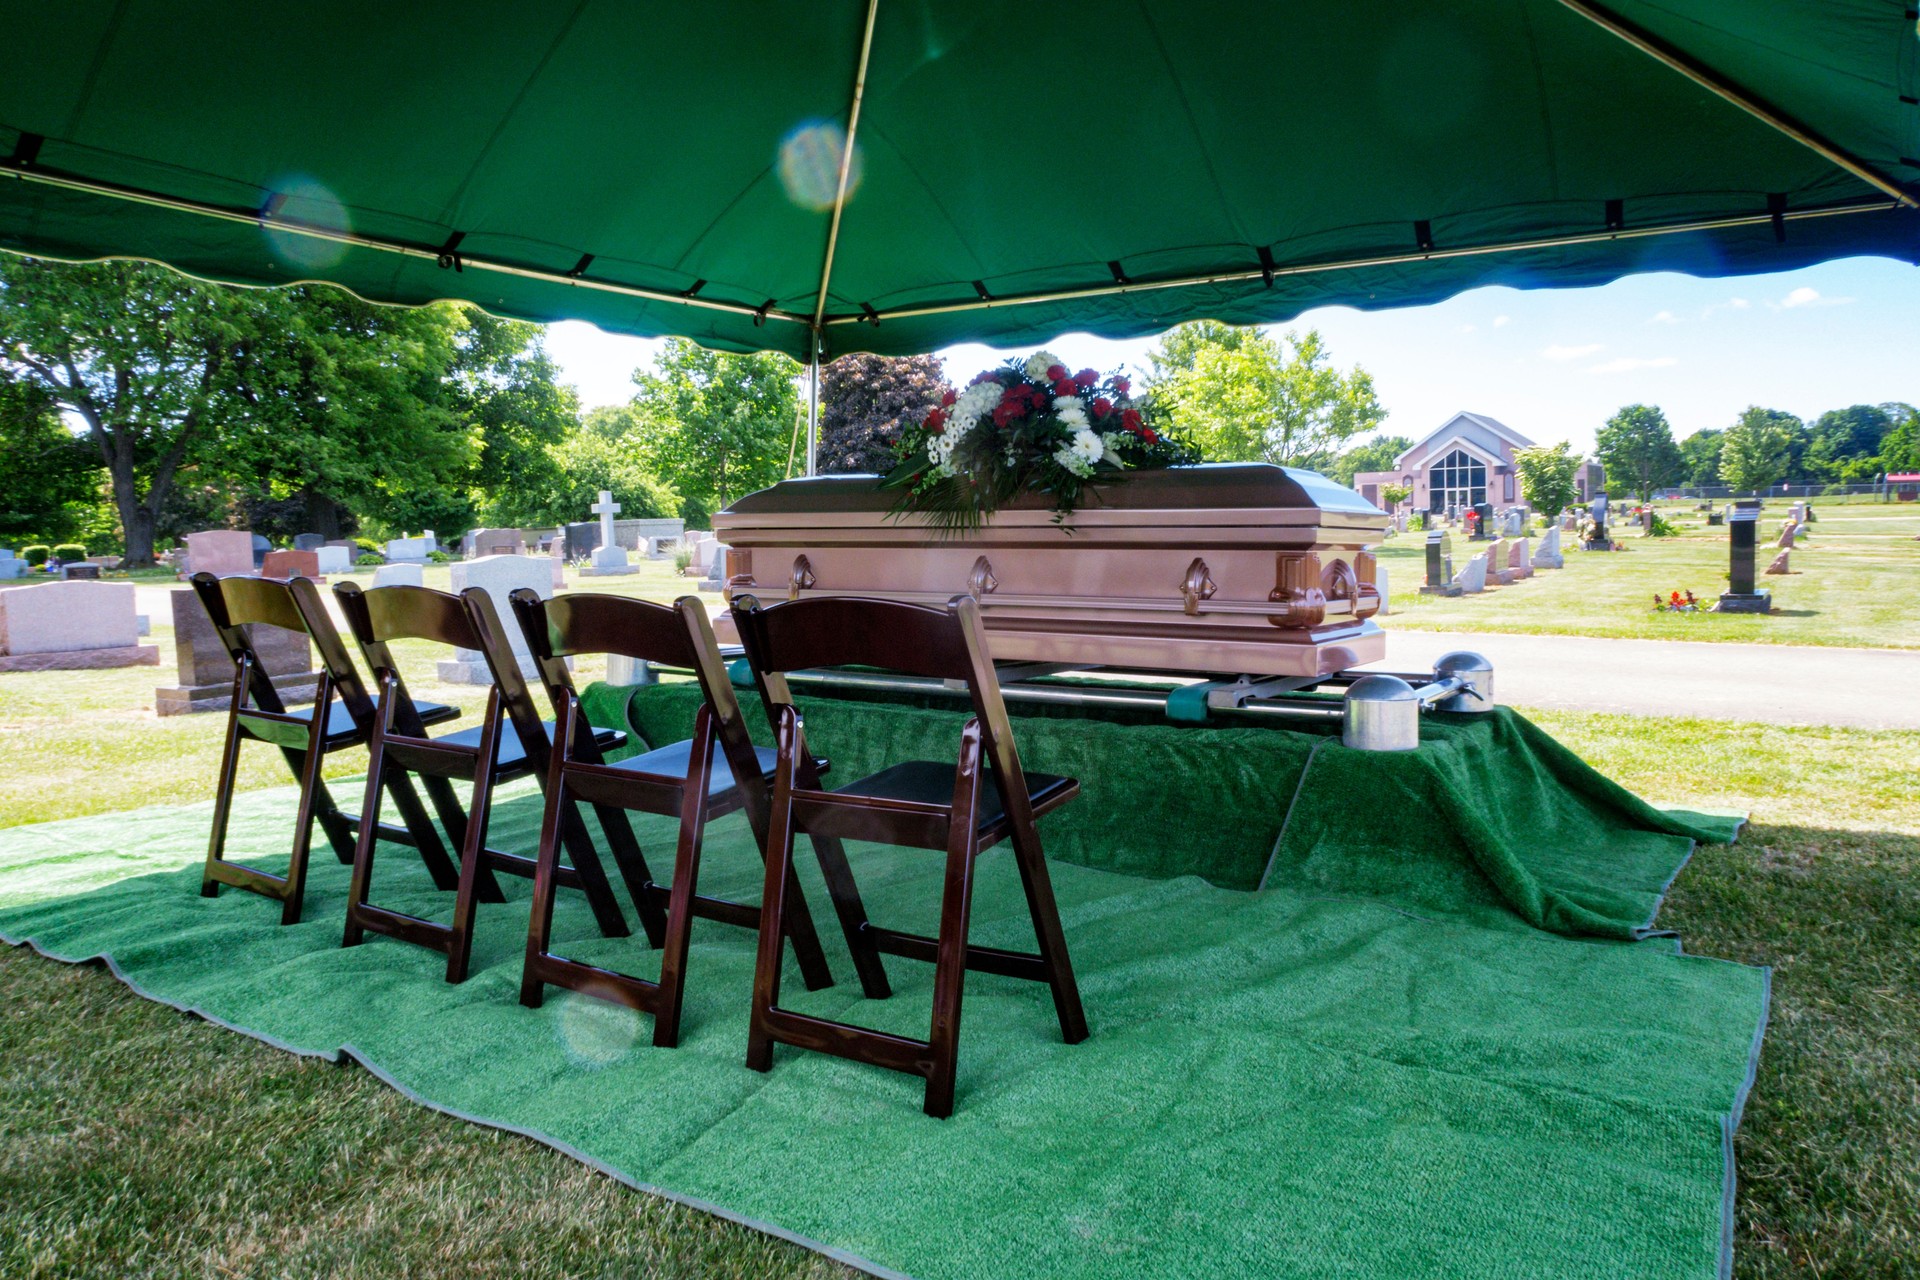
x: 1283, y: 1082
x: 1491, y: 817
x: 598, y: 160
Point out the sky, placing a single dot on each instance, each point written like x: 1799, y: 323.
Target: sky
x: 1553, y: 364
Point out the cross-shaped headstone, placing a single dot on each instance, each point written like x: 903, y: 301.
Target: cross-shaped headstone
x: 606, y: 509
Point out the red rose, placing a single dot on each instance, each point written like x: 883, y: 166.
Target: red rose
x: 1086, y: 378
x: 1151, y: 436
x: 946, y: 401
x: 937, y: 421
x: 1122, y: 386
x: 1055, y: 372
x: 1065, y: 387
x: 1102, y: 407
x: 1130, y: 419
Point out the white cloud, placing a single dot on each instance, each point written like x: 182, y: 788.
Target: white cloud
x: 1806, y: 297
x: 1469, y: 328
x: 1564, y: 354
x: 1731, y: 304
x: 1663, y: 317
x: 1500, y: 321
x: 1626, y: 364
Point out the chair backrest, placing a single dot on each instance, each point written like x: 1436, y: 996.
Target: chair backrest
x: 384, y: 614
x: 679, y: 635
x: 236, y: 603
x: 496, y: 648
x: 839, y: 631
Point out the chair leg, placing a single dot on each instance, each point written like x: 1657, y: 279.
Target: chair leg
x: 335, y: 825
x: 852, y: 913
x: 593, y: 876
x: 773, y: 903
x: 454, y: 819
x: 361, y: 883
x: 546, y: 864
x: 311, y: 789
x: 686, y: 879
x: 222, y: 802
x: 634, y: 871
x: 956, y: 908
x: 414, y: 816
x: 473, y: 856
x: 1038, y: 885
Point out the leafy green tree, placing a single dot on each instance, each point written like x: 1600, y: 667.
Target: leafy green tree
x: 1700, y: 458
x: 1637, y: 449
x: 1845, y: 443
x: 1375, y: 455
x: 1240, y: 395
x: 1546, y: 475
x: 864, y: 399
x: 1754, y: 451
x: 714, y: 426
x: 52, y: 478
x: 507, y: 388
x: 1900, y: 447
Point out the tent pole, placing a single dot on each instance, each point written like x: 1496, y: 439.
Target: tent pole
x: 1719, y: 85
x: 813, y: 405
x: 846, y: 169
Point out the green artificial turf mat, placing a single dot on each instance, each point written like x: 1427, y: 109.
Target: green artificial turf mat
x: 1301, y: 1081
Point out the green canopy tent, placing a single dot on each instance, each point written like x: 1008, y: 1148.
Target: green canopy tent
x: 895, y: 175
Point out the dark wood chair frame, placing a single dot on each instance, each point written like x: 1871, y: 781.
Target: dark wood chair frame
x: 399, y: 743
x: 946, y: 644
x: 305, y: 737
x: 678, y: 636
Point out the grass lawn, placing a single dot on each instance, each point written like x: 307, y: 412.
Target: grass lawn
x: 147, y: 1143
x: 1852, y: 584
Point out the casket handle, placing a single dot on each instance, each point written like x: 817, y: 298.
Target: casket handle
x: 980, y: 581
x: 802, y: 579
x: 1197, y: 586
x: 1297, y: 590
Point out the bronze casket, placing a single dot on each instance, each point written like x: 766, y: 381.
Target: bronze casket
x: 1227, y: 568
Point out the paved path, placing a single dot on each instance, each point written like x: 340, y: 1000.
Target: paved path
x: 1773, y: 683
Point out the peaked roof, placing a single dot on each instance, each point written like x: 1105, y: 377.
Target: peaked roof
x: 1480, y: 420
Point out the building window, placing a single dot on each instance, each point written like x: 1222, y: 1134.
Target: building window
x: 1506, y: 487
x: 1457, y: 480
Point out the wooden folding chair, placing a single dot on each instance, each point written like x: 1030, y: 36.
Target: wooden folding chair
x: 921, y: 804
x: 488, y: 755
x: 716, y: 772
x: 341, y: 717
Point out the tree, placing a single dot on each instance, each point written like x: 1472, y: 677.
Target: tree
x: 864, y: 399
x: 1375, y: 455
x: 1240, y: 395
x: 714, y: 425
x: 1637, y: 449
x: 1546, y: 475
x: 1392, y: 495
x: 507, y: 388
x: 1845, y: 443
x: 140, y: 355
x: 52, y: 478
x: 1700, y: 458
x: 1900, y: 447
x: 1753, y: 453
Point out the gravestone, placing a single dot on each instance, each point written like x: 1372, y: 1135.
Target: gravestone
x: 348, y: 545
x: 1787, y: 531
x: 291, y: 564
x: 80, y: 571
x: 260, y: 548
x: 1483, y: 521
x: 66, y: 626
x: 432, y: 543
x: 716, y: 576
x: 407, y: 550
x: 495, y: 542
x: 609, y: 558
x: 1547, y: 555
x: 1601, y: 539
x: 1518, y: 561
x: 1741, y: 596
x: 205, y: 672
x: 643, y: 537
x: 399, y: 575
x: 221, y: 552
x: 582, y: 539
x: 309, y: 541
x: 1380, y: 583
x: 1779, y: 565
x: 559, y: 572
x: 11, y: 566
x: 1473, y: 578
x: 1513, y: 522
x: 1498, y: 575
x: 332, y: 559
x: 498, y: 576
x: 1440, y: 580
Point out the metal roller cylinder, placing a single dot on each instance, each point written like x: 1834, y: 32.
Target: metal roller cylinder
x: 1383, y: 714
x: 1473, y: 669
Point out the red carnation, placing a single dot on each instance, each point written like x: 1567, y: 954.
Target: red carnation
x: 1150, y: 436
x: 1086, y: 378
x: 1130, y: 419
x: 1017, y: 391
x: 937, y: 421
x: 946, y: 401
x: 1038, y: 395
x: 1122, y: 385
x: 1065, y: 387
x: 1055, y: 372
x: 1007, y: 411
x: 1102, y: 407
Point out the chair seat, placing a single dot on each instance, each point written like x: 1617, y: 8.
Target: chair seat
x: 341, y: 728
x: 512, y: 755
x: 931, y: 782
x: 673, y: 762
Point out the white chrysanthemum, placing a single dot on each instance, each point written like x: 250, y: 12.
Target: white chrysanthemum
x: 1070, y: 411
x: 1039, y: 362
x: 960, y: 424
x: 977, y: 400
x: 1070, y: 458
x: 1087, y: 446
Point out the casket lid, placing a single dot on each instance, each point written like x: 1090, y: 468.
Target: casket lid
x: 1208, y: 486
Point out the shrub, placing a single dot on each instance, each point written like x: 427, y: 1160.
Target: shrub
x: 682, y: 560
x: 439, y: 557
x: 368, y: 559
x: 1661, y: 527
x: 369, y: 546
x: 1417, y: 521
x: 69, y: 552
x: 36, y: 555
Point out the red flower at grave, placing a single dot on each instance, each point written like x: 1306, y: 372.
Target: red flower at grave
x: 1150, y: 436
x: 946, y: 401
x: 1087, y: 378
x: 1065, y: 387
x: 937, y: 421
x: 1055, y: 372
x: 1130, y: 419
x: 1102, y: 407
x: 1016, y: 392
x: 1122, y: 385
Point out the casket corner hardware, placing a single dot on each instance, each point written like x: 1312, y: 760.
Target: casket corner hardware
x: 980, y: 580
x: 803, y: 578
x: 1298, y: 590
x: 1197, y: 586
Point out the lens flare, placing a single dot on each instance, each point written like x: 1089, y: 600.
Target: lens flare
x: 308, y: 203
x: 810, y: 164
x: 593, y: 1032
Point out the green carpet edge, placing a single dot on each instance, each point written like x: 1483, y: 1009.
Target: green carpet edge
x: 348, y: 1053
